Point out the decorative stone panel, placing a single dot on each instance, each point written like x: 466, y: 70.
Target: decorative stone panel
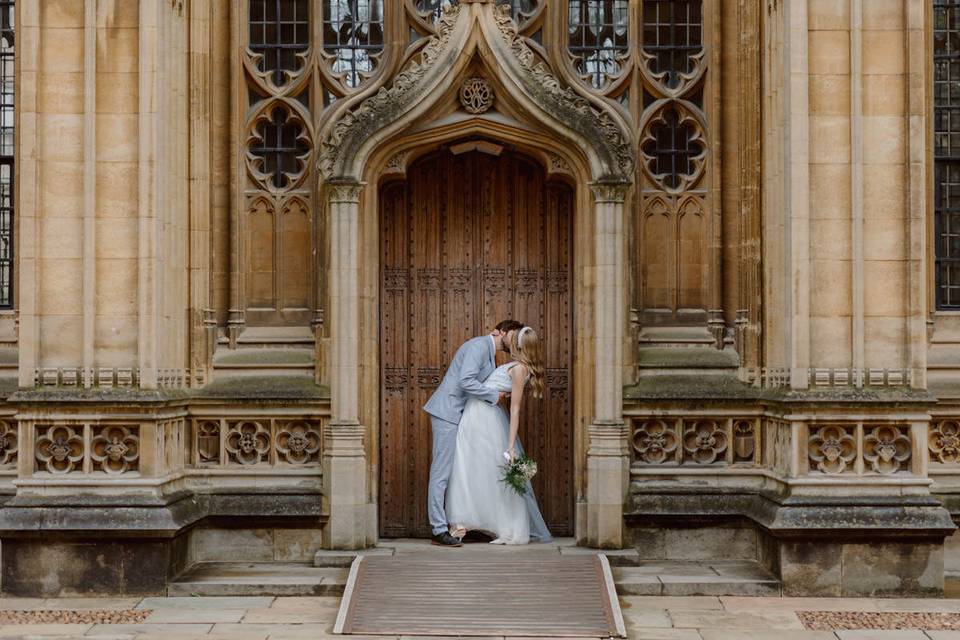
x: 248, y: 442
x: 832, y: 448
x: 944, y: 441
x: 695, y: 441
x: 59, y: 448
x: 115, y: 448
x: 254, y: 442
x: 859, y: 448
x: 9, y: 444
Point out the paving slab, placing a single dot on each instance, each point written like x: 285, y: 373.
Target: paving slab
x: 944, y: 635
x: 782, y: 634
x: 89, y: 603
x: 874, y: 634
x: 169, y: 615
x: 168, y: 631
x: 674, y: 603
x: 21, y: 604
x: 648, y: 633
x: 287, y: 616
x: 772, y: 621
x: 918, y: 605
x: 206, y: 602
x: 59, y: 630
x: 331, y: 558
x: 259, y: 579
x: 742, y: 603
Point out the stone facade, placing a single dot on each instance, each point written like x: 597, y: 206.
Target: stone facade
x: 758, y: 359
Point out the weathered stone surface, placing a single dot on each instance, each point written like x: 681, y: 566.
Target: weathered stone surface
x: 892, y: 569
x: 811, y: 568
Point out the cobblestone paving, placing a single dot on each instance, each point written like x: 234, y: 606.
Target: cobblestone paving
x: 647, y: 618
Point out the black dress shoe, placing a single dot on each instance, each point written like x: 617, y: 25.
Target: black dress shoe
x: 445, y: 540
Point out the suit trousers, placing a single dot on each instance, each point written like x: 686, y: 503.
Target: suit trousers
x: 444, y: 448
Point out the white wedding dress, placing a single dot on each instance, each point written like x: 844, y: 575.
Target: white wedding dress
x: 477, y: 498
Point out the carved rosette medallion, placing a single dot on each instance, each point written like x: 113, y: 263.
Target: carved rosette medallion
x: 58, y: 449
x: 945, y: 441
x: 115, y: 449
x: 832, y: 448
x: 886, y: 448
x: 476, y: 95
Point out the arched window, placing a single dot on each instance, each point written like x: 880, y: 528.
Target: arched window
x: 519, y: 7
x: 353, y: 36
x: 279, y: 34
x: 6, y: 151
x: 946, y: 145
x: 598, y: 33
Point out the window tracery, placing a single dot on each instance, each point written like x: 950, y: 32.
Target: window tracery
x: 353, y: 38
x: 946, y: 96
x: 598, y: 32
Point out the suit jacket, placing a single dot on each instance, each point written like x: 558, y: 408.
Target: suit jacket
x: 471, y: 365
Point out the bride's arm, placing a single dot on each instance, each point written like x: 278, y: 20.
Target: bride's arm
x: 518, y: 376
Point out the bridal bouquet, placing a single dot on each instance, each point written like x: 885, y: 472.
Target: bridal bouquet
x: 519, y: 472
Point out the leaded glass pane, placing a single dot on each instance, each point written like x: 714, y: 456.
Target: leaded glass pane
x: 6, y: 151
x: 279, y: 31
x: 946, y: 74
x: 672, y: 35
x: 672, y: 148
x: 598, y: 37
x: 436, y: 6
x: 353, y: 34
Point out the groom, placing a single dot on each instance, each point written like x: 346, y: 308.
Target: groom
x: 473, y: 363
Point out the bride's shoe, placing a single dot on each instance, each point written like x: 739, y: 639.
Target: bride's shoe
x: 498, y: 541
x: 459, y: 533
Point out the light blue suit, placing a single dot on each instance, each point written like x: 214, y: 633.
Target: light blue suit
x: 472, y: 364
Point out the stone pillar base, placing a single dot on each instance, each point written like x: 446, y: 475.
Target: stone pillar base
x: 608, y: 481
x: 349, y: 521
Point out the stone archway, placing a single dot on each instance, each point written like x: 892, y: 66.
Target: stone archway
x: 356, y: 148
x: 469, y: 238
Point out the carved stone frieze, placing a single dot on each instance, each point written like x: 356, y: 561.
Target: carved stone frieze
x: 611, y: 141
x: 385, y: 106
x: 655, y: 441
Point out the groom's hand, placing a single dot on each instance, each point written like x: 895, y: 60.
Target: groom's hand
x: 504, y: 400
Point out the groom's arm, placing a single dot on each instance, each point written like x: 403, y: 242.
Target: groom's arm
x: 470, y: 381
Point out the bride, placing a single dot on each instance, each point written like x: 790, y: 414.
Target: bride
x: 477, y: 498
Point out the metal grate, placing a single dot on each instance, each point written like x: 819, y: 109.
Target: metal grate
x: 353, y: 34
x: 672, y: 148
x: 946, y: 89
x: 279, y: 31
x: 6, y: 151
x: 672, y: 34
x: 598, y: 37
x: 280, y: 147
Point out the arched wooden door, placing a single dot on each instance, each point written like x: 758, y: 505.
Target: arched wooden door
x: 466, y: 241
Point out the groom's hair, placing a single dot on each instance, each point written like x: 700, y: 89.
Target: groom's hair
x: 509, y: 325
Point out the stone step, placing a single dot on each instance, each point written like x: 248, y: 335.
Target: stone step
x: 706, y: 578
x: 328, y: 575
x: 259, y: 579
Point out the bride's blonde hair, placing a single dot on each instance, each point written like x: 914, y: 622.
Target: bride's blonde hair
x: 525, y: 348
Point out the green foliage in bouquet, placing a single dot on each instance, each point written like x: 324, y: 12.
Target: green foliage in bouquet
x: 519, y: 472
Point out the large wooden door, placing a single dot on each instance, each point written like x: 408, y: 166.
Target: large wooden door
x: 466, y: 241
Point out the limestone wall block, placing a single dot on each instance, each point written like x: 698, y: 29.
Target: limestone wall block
x: 885, y: 288
x: 61, y: 50
x: 883, y: 53
x: 116, y: 291
x: 830, y: 287
x: 830, y: 239
x: 886, y: 341
x: 830, y: 340
x: 884, y: 15
x: 116, y: 238
x: 829, y: 139
x: 883, y: 239
x: 829, y: 52
x: 61, y: 13
x: 117, y: 137
x: 60, y: 92
x: 117, y: 190
x: 60, y: 137
x: 828, y: 14
x: 883, y: 95
x: 60, y: 286
x: 118, y: 50
x: 62, y: 342
x: 829, y: 191
x: 117, y: 92
x: 61, y: 237
x: 116, y: 339
x: 884, y: 140
x: 884, y: 191
x: 830, y: 95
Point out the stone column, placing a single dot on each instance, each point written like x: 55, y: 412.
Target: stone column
x: 344, y: 461
x: 608, y: 463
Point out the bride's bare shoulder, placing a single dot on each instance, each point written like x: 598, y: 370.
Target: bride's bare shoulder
x: 518, y: 371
